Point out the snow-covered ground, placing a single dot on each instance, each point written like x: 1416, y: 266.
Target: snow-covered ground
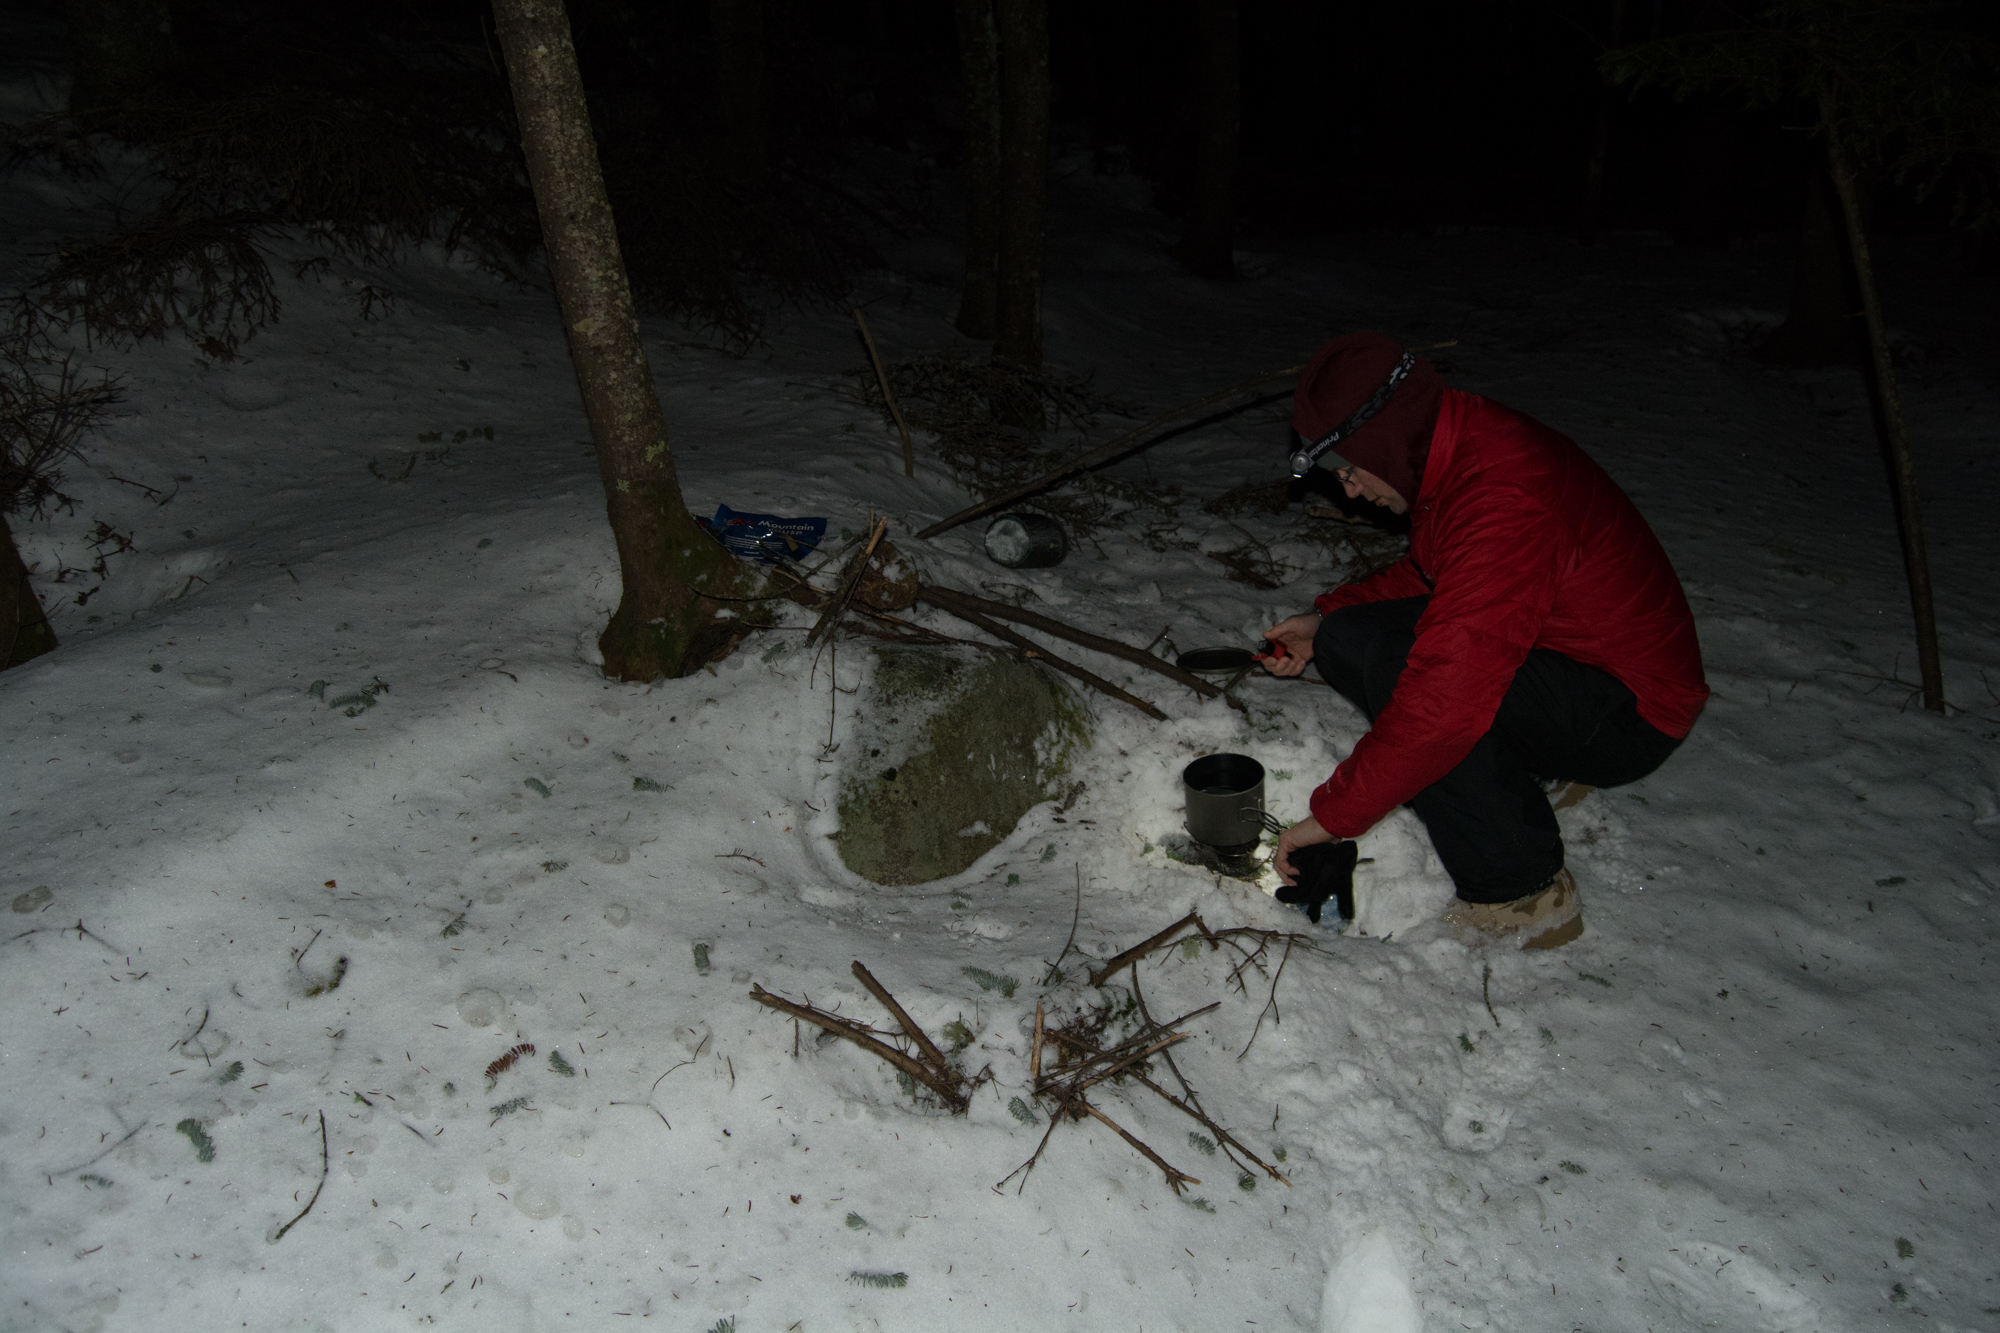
x: 333, y: 719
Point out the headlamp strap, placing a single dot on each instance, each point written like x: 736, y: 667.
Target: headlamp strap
x: 1308, y: 456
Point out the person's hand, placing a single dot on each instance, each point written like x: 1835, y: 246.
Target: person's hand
x: 1302, y: 834
x: 1296, y: 635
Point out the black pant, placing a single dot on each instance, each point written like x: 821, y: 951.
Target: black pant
x: 1489, y: 818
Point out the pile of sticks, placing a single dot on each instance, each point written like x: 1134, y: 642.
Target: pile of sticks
x: 1066, y: 1063
x: 1077, y: 1062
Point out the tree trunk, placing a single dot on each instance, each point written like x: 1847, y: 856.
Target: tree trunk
x: 24, y: 630
x: 1600, y: 139
x: 1024, y: 177
x: 979, y: 63
x: 676, y: 579
x: 1916, y: 559
x: 1207, y: 245
x: 1824, y: 325
x: 115, y: 46
x: 737, y: 29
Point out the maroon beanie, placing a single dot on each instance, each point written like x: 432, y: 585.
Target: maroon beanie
x: 1395, y: 441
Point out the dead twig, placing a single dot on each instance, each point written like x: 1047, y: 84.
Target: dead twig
x: 1099, y: 454
x: 1075, y: 917
x: 1034, y: 650
x: 950, y: 1090
x: 1144, y: 947
x: 1192, y: 1107
x: 1486, y: 993
x: 948, y: 598
x: 850, y: 579
x: 1177, y: 1179
x: 325, y: 1162
x: 1271, y: 1004
x: 875, y: 358
x: 908, y: 1024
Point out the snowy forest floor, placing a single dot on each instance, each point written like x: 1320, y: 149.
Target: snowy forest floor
x: 1757, y: 1094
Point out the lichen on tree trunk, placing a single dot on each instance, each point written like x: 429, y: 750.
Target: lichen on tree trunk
x: 675, y: 613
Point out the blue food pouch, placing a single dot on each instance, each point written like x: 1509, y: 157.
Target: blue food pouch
x: 766, y: 538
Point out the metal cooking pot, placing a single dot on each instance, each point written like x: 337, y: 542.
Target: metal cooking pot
x: 1225, y: 801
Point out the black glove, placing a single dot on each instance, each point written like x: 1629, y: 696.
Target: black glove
x: 1326, y: 870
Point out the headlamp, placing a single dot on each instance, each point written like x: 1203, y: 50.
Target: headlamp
x: 1311, y: 455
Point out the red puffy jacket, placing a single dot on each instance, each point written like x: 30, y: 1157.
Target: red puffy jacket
x: 1522, y: 542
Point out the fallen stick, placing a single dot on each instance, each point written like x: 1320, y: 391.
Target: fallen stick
x: 1035, y: 650
x: 1175, y: 1178
x: 1119, y: 1066
x: 909, y: 1025
x: 850, y: 579
x: 325, y: 1162
x: 1094, y: 1054
x: 840, y: 1027
x: 946, y: 598
x: 1144, y: 947
x: 1222, y: 1135
x: 1100, y: 453
x: 889, y: 397
x: 1271, y: 1004
x: 1035, y: 1057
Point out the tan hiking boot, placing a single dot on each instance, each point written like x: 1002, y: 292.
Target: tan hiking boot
x: 1541, y: 920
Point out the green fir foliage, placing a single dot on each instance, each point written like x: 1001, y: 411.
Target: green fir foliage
x: 958, y: 1034
x: 879, y: 1279
x: 507, y: 1108
x: 992, y: 981
x: 1201, y: 1205
x: 537, y: 786
x: 1020, y: 1111
x: 560, y: 1065
x: 1572, y: 1168
x: 1905, y: 1250
x: 204, y: 1146
x: 856, y: 1222
x: 1247, y: 1183
x: 1202, y: 1144
x: 91, y: 1180
x: 231, y: 1074
x: 701, y: 959
x: 646, y: 784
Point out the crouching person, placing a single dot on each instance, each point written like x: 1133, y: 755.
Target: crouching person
x: 1535, y: 632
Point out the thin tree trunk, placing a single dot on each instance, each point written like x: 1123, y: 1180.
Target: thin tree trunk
x: 1823, y: 324
x: 1207, y: 245
x: 1916, y: 559
x: 737, y: 29
x: 24, y: 629
x: 979, y: 63
x: 663, y: 625
x: 115, y: 46
x: 1600, y: 138
x: 1024, y: 176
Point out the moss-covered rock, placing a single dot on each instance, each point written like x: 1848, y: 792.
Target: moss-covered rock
x: 949, y: 753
